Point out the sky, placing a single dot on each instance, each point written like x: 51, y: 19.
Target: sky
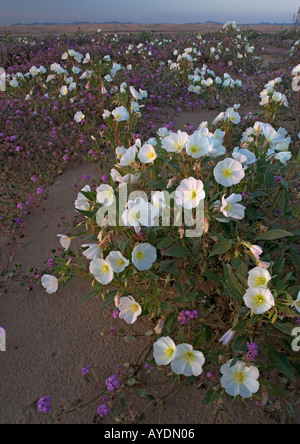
x: 150, y: 11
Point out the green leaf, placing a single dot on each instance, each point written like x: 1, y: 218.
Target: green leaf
x: 282, y: 363
x: 178, y: 251
x: 212, y: 395
x: 170, y: 325
x: 240, y: 344
x: 272, y: 389
x: 167, y: 242
x: 169, y: 267
x: 109, y: 298
x: 143, y: 393
x: 269, y: 179
x: 199, y: 339
x: 220, y: 248
x: 92, y: 294
x: 274, y: 234
x: 232, y: 284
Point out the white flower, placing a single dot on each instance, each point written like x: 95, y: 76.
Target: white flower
x: 102, y: 271
x: 117, y: 261
x: 256, y: 250
x: 120, y: 114
x: 259, y: 300
x: 34, y: 71
x: 240, y: 379
x: 129, y: 309
x: 64, y: 90
x: 82, y: 202
x: 244, y: 156
x: 79, y: 117
x: 270, y: 134
x: 227, y: 338
x: 159, y: 200
x: 189, y: 193
x: 128, y: 157
x: 139, y: 212
x: 234, y: 117
x: 144, y: 256
x: 186, y: 361
x: 105, y: 195
x: 229, y: 172
x: 129, y: 178
x: 14, y: 83
x: 164, y: 349
x: 65, y: 241
x: 277, y: 96
x: 50, y: 283
x: 175, y: 142
x: 296, y: 304
x: 93, y: 251
x: 258, y: 278
x: 197, y: 145
x: 147, y: 154
x: 135, y: 94
x: 163, y: 132
x: 230, y: 207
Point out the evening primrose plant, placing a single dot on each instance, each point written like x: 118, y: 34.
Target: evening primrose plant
x: 211, y: 292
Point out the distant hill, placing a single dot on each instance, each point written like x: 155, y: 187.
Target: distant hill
x: 130, y: 23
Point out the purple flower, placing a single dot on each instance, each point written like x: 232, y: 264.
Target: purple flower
x: 116, y: 313
x: 50, y: 262
x: 40, y: 190
x: 185, y: 316
x: 103, y: 410
x: 44, y: 404
x: 20, y: 206
x: 34, y: 178
x: 113, y: 331
x: 18, y: 221
x: 104, y: 178
x: 253, y: 351
x: 85, y: 177
x: 113, y: 382
x: 86, y: 370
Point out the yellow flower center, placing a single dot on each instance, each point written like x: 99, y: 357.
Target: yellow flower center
x: 228, y: 207
x: 140, y: 255
x: 194, y: 194
x: 151, y: 155
x: 227, y: 172
x: 178, y: 146
x: 105, y: 268
x: 194, y: 149
x: 261, y: 281
x: 239, y: 377
x: 169, y: 352
x: 121, y: 262
x: 135, y: 307
x: 189, y: 357
x: 259, y: 299
x: 117, y: 116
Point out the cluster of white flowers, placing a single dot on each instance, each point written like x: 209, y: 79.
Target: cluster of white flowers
x: 230, y: 114
x: 278, y: 141
x: 183, y: 359
x: 231, y: 24
x: 258, y: 297
x: 270, y: 96
x: 201, y: 82
x: 294, y: 48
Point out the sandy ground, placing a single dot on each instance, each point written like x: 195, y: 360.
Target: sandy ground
x: 42, y: 30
